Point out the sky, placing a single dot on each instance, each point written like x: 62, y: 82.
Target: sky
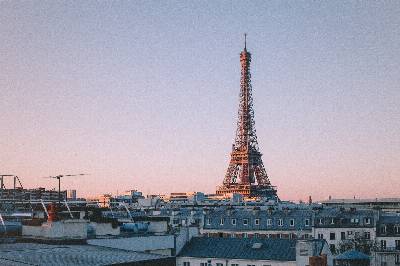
x: 144, y: 94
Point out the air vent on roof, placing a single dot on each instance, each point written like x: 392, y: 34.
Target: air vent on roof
x: 257, y: 245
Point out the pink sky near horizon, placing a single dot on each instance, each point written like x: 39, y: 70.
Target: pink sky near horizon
x: 145, y: 96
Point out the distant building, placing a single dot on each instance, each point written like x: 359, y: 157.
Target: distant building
x: 387, y: 251
x: 387, y: 204
x: 35, y: 194
x: 340, y: 226
x: 71, y: 194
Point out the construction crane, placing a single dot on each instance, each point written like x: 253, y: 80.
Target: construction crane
x: 58, y: 177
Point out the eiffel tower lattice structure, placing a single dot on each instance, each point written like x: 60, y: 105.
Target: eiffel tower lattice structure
x: 246, y: 174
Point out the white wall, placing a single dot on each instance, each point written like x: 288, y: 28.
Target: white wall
x: 228, y: 262
x: 103, y: 229
x: 73, y: 229
x: 326, y: 232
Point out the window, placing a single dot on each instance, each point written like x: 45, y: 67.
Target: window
x: 342, y: 235
x: 203, y: 264
x: 233, y: 235
x: 257, y: 221
x: 332, y: 236
x: 383, y: 244
x: 208, y: 221
x: 397, y: 243
x: 397, y: 229
x: 234, y: 264
x: 383, y: 229
x: 233, y: 221
x: 219, y: 264
x: 291, y: 222
x: 251, y: 265
x: 332, y: 248
x: 221, y: 222
x: 186, y: 263
x: 303, y: 252
x: 307, y: 222
x: 245, y: 235
x: 256, y: 235
x: 332, y: 221
x: 367, y: 235
x: 321, y: 221
x: 245, y: 221
x: 280, y: 222
x: 269, y: 222
x: 320, y: 236
x: 367, y: 220
x: 397, y: 259
x: 354, y: 220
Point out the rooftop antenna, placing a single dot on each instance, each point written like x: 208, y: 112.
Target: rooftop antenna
x: 58, y: 177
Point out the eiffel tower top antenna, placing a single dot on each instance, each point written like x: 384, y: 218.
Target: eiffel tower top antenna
x: 245, y: 40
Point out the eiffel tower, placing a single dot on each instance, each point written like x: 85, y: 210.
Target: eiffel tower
x: 246, y: 173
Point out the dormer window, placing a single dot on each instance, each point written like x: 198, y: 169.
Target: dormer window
x: 383, y: 229
x: 397, y: 229
x: 367, y: 220
x: 209, y: 221
x: 221, y: 221
x: 280, y: 222
x: 291, y: 222
x: 233, y: 221
x: 321, y: 221
x: 245, y: 221
x: 269, y: 222
x: 332, y: 221
x: 257, y: 221
x: 307, y: 222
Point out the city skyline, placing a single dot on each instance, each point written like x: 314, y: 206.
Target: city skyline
x: 144, y: 95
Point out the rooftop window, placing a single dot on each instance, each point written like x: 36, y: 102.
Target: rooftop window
x: 291, y: 222
x: 280, y: 222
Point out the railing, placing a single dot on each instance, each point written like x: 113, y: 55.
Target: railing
x: 387, y: 249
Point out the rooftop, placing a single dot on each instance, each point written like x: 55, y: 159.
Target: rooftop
x: 42, y: 254
x: 241, y: 248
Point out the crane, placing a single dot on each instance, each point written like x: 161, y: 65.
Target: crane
x: 58, y: 177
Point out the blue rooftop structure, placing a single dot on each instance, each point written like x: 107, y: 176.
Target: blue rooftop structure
x: 235, y: 248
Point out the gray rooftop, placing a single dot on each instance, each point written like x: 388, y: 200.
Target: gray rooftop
x: 240, y: 248
x: 42, y: 254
